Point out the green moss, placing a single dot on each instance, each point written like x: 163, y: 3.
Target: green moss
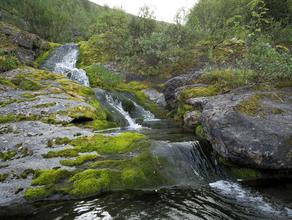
x: 133, y: 177
x: 45, y: 105
x: 90, y: 182
x: 200, y: 132
x: 244, y: 173
x: 83, y: 112
x: 112, y: 164
x: 198, y: 92
x: 26, y: 84
x: 44, y: 56
x: 69, y: 152
x: 6, y: 82
x: 125, y: 142
x: 61, y: 141
x: 3, y: 177
x: 181, y: 110
x: 15, y: 118
x: 251, y: 106
x: 79, y: 160
x: 32, y: 194
x: 47, y: 177
x: 7, y: 155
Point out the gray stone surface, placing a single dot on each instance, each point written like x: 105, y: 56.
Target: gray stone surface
x: 262, y: 140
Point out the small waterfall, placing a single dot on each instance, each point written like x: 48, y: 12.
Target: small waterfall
x: 147, y: 115
x: 117, y: 105
x: 64, y: 60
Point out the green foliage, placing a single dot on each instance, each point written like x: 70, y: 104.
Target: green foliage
x: 99, y: 76
x: 8, y: 62
x: 269, y: 63
x: 54, y: 20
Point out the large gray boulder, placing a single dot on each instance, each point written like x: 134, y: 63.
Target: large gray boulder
x: 252, y: 128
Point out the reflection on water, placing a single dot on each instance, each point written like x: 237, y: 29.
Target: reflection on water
x: 201, y: 203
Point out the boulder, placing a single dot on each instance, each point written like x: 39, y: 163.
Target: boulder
x: 172, y: 84
x: 251, y: 128
x: 155, y: 96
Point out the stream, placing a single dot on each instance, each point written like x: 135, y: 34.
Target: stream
x: 203, y: 191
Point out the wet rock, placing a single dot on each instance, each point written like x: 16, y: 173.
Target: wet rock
x: 155, y: 96
x: 251, y: 128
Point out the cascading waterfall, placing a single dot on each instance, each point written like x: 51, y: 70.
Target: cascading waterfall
x: 117, y: 105
x: 64, y: 60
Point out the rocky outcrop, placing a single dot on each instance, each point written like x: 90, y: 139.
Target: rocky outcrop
x: 26, y: 46
x: 250, y: 127
x: 173, y: 84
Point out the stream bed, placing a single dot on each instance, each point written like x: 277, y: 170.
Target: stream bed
x: 202, y: 189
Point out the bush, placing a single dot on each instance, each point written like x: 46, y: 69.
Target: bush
x: 8, y: 62
x: 269, y: 63
x: 99, y: 76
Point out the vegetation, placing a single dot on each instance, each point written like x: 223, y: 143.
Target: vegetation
x: 111, y: 169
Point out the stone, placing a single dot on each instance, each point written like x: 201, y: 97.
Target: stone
x: 179, y: 81
x: 258, y: 134
x: 192, y: 119
x: 155, y: 96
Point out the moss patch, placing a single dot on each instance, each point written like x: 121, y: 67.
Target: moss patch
x: 79, y: 160
x: 198, y: 92
x: 200, y: 132
x: 69, y: 152
x: 125, y: 142
x: 3, y: 177
x: 251, y: 106
x: 7, y: 155
x: 47, y: 177
x: 32, y: 194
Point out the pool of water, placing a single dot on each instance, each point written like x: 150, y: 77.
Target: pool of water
x: 204, y: 193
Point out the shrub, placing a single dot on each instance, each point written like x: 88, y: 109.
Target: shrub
x: 269, y: 63
x: 8, y: 62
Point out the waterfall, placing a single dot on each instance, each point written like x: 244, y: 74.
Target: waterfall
x: 117, y: 105
x: 64, y: 60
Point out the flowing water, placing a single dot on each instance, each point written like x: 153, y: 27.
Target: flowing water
x: 202, y: 190
x: 63, y: 60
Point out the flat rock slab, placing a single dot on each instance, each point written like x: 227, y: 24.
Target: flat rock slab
x: 32, y: 136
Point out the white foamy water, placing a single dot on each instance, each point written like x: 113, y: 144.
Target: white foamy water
x: 68, y: 67
x: 118, y: 106
x: 247, y: 197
